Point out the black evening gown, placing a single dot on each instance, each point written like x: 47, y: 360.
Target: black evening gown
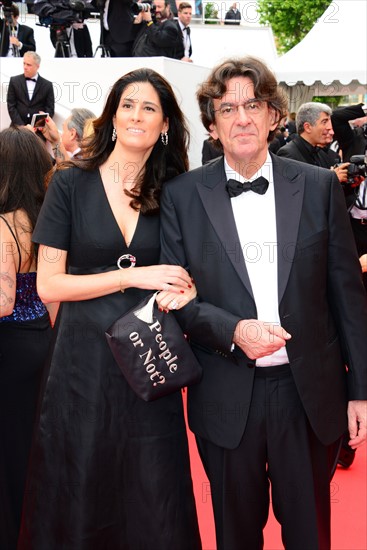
x: 108, y: 471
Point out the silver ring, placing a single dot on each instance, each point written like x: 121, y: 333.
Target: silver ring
x: 174, y: 304
x: 128, y: 257
x: 166, y: 286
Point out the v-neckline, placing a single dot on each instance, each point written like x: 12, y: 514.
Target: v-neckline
x: 127, y: 246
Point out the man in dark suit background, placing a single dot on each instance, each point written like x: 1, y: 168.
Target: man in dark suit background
x: 118, y: 28
x: 280, y: 311
x: 233, y: 15
x: 314, y: 128
x: 20, y: 39
x: 29, y: 93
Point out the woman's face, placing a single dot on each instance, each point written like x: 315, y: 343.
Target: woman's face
x: 139, y: 118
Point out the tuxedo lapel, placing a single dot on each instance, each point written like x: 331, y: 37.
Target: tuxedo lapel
x: 217, y: 204
x: 37, y: 88
x: 289, y: 189
x: 23, y: 84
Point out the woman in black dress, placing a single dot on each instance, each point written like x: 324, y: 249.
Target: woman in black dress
x: 25, y: 329
x: 108, y: 470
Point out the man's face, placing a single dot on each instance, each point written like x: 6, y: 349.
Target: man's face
x: 244, y: 133
x: 319, y: 133
x: 30, y: 67
x: 161, y: 10
x: 185, y: 16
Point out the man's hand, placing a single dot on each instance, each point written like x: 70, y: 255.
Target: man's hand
x: 341, y: 171
x: 363, y: 261
x: 258, y: 338
x: 357, y: 423
x: 187, y: 59
x: 145, y: 15
x: 14, y: 41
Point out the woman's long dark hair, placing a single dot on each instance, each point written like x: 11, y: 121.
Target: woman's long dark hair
x: 164, y: 162
x: 24, y: 164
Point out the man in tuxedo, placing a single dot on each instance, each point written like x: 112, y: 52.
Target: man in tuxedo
x: 20, y: 39
x: 118, y: 28
x: 29, y: 93
x: 280, y: 311
x: 184, y: 19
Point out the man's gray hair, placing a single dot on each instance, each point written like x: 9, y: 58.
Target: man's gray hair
x: 36, y: 58
x: 77, y: 120
x: 310, y: 112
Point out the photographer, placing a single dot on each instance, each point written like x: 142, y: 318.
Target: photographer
x: 15, y: 39
x: 120, y: 28
x: 68, y: 32
x: 160, y: 36
x: 78, y: 40
x: 350, y: 127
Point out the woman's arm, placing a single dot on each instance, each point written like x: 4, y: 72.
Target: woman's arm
x: 55, y: 285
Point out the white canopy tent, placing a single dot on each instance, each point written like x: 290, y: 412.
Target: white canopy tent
x: 331, y: 59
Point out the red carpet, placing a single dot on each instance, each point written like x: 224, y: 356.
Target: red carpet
x: 348, y: 506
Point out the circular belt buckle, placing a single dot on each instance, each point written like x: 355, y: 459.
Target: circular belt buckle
x: 128, y: 257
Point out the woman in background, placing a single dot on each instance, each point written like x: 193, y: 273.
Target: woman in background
x: 25, y: 328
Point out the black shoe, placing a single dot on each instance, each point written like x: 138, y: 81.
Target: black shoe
x: 346, y: 455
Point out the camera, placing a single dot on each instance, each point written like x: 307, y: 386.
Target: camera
x: 7, y: 8
x: 61, y: 12
x: 357, y: 169
x: 137, y: 7
x: 6, y: 3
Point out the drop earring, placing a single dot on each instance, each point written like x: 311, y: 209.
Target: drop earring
x: 164, y: 138
x: 114, y: 134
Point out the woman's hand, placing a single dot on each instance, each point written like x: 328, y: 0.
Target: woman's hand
x: 170, y: 299
x: 172, y: 278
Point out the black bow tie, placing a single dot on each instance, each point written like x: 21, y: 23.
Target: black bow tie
x: 188, y: 30
x: 33, y: 79
x: 235, y: 188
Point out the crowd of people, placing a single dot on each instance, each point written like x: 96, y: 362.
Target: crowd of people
x: 260, y: 254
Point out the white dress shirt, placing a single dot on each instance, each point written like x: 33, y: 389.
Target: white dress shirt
x: 186, y: 39
x: 255, y: 220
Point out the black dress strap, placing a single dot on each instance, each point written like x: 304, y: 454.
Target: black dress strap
x: 16, y: 242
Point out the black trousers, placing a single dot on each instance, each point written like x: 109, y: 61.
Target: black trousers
x: 116, y: 49
x: 278, y: 451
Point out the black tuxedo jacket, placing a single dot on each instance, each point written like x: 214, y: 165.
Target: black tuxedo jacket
x: 25, y: 35
x: 298, y: 149
x: 20, y: 108
x: 182, y: 37
x: 160, y: 39
x: 322, y: 302
x: 120, y: 20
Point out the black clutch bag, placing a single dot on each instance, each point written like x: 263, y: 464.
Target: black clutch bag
x: 152, y: 352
